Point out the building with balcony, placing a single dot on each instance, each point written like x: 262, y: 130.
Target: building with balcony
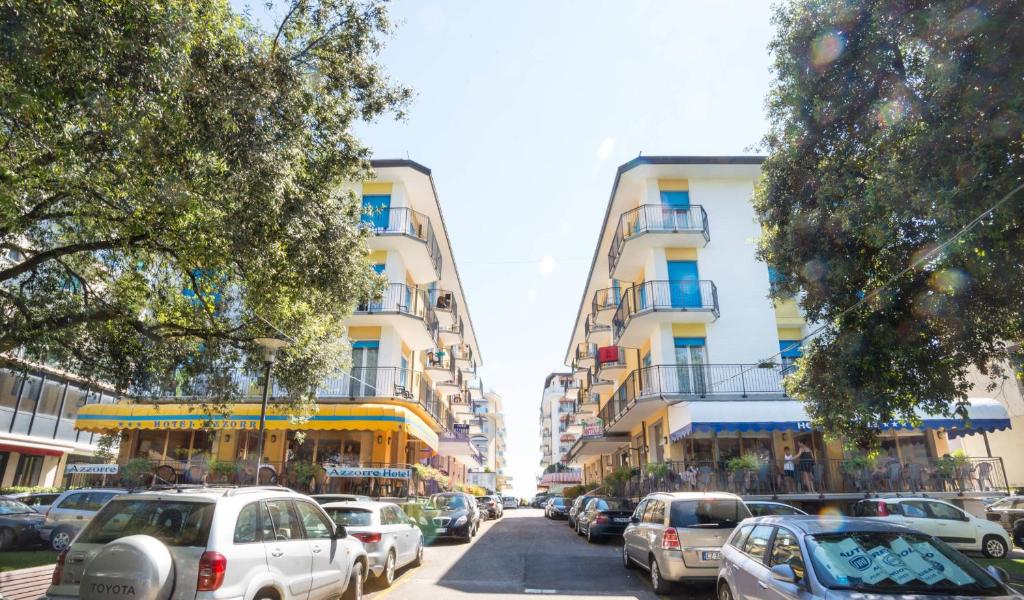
x: 557, y: 401
x: 413, y: 348
x: 680, y: 354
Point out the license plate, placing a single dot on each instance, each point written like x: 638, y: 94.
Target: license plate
x: 441, y: 530
x: 622, y: 520
x: 711, y: 556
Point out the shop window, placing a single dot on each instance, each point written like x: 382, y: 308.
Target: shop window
x: 29, y: 468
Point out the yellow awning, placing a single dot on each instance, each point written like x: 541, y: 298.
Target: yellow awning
x: 99, y: 418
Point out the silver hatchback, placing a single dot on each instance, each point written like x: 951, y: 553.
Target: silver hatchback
x: 810, y: 557
x: 679, y: 536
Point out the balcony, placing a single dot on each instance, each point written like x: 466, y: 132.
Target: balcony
x: 604, y: 303
x: 584, y: 356
x: 645, y: 391
x: 410, y: 233
x: 445, y: 307
x: 441, y: 365
x: 595, y: 332
x: 405, y: 308
x: 653, y: 302
x: 463, y: 354
x: 654, y: 226
x: 612, y: 361
x: 451, y: 334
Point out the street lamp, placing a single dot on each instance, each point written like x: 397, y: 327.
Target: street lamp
x: 270, y: 347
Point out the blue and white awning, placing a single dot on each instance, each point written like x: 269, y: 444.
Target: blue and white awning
x: 984, y: 414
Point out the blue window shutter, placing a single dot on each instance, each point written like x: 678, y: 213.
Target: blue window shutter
x: 366, y: 344
x: 676, y: 199
x: 379, y: 269
x: 377, y: 206
x: 788, y: 351
x: 683, y: 342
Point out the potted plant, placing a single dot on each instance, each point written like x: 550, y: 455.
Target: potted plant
x: 221, y: 471
x: 134, y: 469
x: 302, y: 473
x: 658, y: 470
x: 747, y: 462
x: 617, y: 479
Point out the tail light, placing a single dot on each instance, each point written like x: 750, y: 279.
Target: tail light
x: 58, y: 571
x: 883, y: 509
x: 601, y: 519
x: 670, y: 540
x: 211, y: 571
x: 367, y: 538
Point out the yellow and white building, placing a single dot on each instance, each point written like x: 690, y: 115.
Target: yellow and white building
x: 670, y: 341
x: 413, y: 351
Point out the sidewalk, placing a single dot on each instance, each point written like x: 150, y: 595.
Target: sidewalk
x: 25, y: 584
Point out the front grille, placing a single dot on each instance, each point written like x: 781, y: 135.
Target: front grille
x: 442, y: 521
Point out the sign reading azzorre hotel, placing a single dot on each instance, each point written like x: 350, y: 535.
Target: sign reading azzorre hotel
x: 383, y: 472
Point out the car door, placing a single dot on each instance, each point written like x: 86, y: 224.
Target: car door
x: 785, y: 550
x: 395, y: 530
x: 750, y: 578
x: 654, y: 525
x: 954, y: 526
x: 733, y: 559
x: 633, y: 534
x: 289, y: 556
x: 412, y: 536
x: 326, y: 579
x: 914, y: 514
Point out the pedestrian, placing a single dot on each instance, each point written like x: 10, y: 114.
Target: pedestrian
x: 788, y: 469
x: 805, y: 461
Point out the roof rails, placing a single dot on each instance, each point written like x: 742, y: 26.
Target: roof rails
x: 257, y: 488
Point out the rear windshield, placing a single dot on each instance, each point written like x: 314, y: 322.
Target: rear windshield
x: 350, y: 517
x: 896, y: 563
x: 758, y: 510
x: 447, y: 502
x: 174, y: 523
x: 612, y: 504
x: 709, y: 513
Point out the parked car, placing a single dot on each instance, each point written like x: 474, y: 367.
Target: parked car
x: 941, y: 519
x: 41, y: 501
x: 491, y: 506
x: 602, y: 517
x: 246, y: 542
x: 814, y: 557
x: 577, y: 505
x: 1009, y: 513
x: 763, y: 508
x: 453, y: 515
x: 556, y: 508
x: 679, y: 536
x: 391, y: 538
x: 540, y: 500
x: 509, y: 502
x: 19, y: 524
x: 325, y: 498
x: 72, y: 511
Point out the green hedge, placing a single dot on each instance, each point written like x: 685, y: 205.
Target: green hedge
x: 35, y: 490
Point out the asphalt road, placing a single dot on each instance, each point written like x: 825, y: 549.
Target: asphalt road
x: 524, y: 554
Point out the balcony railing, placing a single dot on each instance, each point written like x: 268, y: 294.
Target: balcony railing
x: 652, y: 296
x: 402, y: 299
x: 400, y: 220
x: 591, y: 326
x: 656, y: 218
x: 443, y: 301
x: 845, y: 476
x: 694, y: 381
x: 605, y: 299
x: 585, y: 351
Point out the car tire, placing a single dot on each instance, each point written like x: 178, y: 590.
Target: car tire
x: 419, y: 556
x: 354, y: 591
x: 724, y: 591
x: 658, y: 583
x: 387, y: 576
x: 591, y: 538
x: 625, y: 558
x: 993, y: 546
x: 7, y: 539
x: 60, y: 539
x: 578, y: 530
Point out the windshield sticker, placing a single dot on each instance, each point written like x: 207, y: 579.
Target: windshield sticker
x: 924, y: 569
x: 891, y: 564
x: 943, y: 564
x: 853, y: 561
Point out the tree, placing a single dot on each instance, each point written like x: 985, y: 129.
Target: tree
x: 171, y: 186
x: 893, y: 125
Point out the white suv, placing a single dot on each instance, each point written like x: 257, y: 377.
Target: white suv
x: 941, y: 519
x: 254, y: 543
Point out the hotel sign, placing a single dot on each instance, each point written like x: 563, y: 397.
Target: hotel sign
x: 193, y: 423
x: 76, y: 468
x: 357, y: 472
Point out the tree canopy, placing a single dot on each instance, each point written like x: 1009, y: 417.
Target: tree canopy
x: 171, y: 185
x: 894, y: 124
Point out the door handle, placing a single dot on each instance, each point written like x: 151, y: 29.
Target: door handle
x: 79, y: 517
x: 276, y: 552
x: 762, y: 585
x: 316, y: 549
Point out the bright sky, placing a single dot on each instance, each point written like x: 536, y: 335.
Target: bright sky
x: 523, y: 111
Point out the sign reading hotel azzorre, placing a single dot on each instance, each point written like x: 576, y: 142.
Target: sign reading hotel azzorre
x: 385, y: 472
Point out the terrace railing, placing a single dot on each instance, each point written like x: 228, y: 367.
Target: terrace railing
x: 656, y: 218
x: 676, y: 295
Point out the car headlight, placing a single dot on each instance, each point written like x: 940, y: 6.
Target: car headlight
x: 461, y: 521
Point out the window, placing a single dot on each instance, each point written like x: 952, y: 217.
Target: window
x: 739, y: 537
x: 282, y: 522
x: 247, y: 528
x: 717, y: 513
x: 655, y: 512
x: 95, y: 500
x: 350, y: 517
x: 941, y: 510
x: 175, y: 523
x: 914, y: 509
x: 29, y: 468
x: 73, y: 502
x: 789, y: 350
x: 756, y: 544
x: 786, y: 551
x: 388, y: 516
x: 638, y: 514
x: 316, y: 525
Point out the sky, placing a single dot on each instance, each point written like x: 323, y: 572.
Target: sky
x: 523, y: 111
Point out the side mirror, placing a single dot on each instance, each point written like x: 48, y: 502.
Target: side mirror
x: 340, y: 532
x: 634, y: 520
x: 998, y: 573
x: 784, y: 573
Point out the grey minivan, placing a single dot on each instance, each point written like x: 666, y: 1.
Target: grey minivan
x: 679, y: 536
x: 71, y: 512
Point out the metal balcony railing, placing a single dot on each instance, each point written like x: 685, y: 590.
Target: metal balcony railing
x: 585, y: 351
x: 678, y: 295
x: 399, y: 298
x: 400, y: 220
x: 605, y: 299
x: 694, y: 381
x: 591, y: 326
x: 656, y: 218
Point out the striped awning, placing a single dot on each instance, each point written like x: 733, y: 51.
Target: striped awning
x: 100, y: 418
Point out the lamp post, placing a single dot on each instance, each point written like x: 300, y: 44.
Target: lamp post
x: 270, y: 347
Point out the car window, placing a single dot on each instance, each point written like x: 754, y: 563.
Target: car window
x: 655, y: 512
x: 389, y: 516
x: 739, y: 537
x: 1018, y: 504
x: 283, y: 525
x: 708, y: 513
x: 351, y: 517
x: 638, y: 514
x: 73, y: 501
x: 786, y: 551
x: 914, y: 509
x: 95, y: 500
x: 173, y: 522
x: 13, y: 507
x: 941, y: 510
x: 757, y: 542
x: 316, y: 525
x: 247, y: 527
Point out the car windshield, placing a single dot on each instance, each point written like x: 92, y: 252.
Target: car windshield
x: 444, y: 502
x: 350, y: 517
x: 613, y: 504
x: 709, y: 513
x: 896, y: 563
x: 1001, y: 504
x: 558, y: 501
x: 175, y: 523
x: 13, y: 507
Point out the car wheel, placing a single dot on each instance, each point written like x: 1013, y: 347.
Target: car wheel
x: 724, y: 592
x: 625, y: 558
x: 60, y: 540
x: 659, y: 585
x: 7, y: 539
x: 578, y: 530
x: 387, y: 577
x: 354, y: 591
x: 590, y: 537
x: 419, y: 556
x: 992, y: 546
